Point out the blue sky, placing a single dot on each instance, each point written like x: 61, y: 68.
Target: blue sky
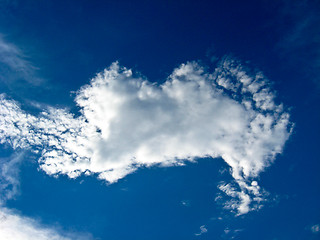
x: 159, y: 119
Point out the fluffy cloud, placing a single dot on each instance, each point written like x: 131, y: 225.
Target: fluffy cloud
x: 126, y: 122
x: 14, y: 226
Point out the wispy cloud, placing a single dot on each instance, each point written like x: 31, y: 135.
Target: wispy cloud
x: 300, y: 44
x: 9, y: 177
x: 12, y: 224
x: 203, y: 230
x: 15, y: 226
x: 14, y: 65
x: 127, y: 122
x: 240, y: 196
x: 231, y: 233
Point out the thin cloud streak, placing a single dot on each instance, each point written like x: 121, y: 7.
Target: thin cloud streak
x: 14, y: 65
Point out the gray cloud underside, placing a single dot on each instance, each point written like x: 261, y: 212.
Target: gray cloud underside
x: 127, y: 122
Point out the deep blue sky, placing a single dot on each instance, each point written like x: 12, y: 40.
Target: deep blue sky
x: 68, y: 42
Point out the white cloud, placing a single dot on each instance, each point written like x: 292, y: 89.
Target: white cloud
x: 203, y: 230
x: 14, y: 226
x: 241, y: 196
x: 127, y: 122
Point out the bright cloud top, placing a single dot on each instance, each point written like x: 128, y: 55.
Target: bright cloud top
x: 127, y: 122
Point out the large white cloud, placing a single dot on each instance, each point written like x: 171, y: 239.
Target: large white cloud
x: 127, y: 122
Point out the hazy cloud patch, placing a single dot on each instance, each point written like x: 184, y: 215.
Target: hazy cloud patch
x: 15, y: 226
x: 315, y: 228
x: 14, y: 65
x: 9, y: 177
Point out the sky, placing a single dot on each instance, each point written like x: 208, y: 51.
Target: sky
x: 159, y: 120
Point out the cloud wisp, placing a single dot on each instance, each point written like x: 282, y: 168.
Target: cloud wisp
x: 127, y: 122
x: 14, y: 66
x: 15, y: 226
x: 203, y: 230
x: 300, y: 43
x: 9, y: 177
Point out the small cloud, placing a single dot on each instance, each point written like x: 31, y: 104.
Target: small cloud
x: 216, y: 218
x: 242, y: 201
x: 315, y: 228
x: 186, y: 203
x: 203, y: 230
x: 229, y: 233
